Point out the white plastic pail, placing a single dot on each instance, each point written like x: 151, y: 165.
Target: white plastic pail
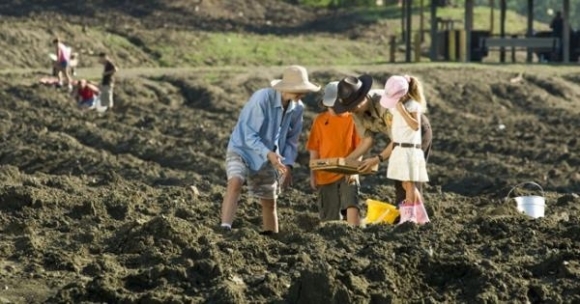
x: 531, y: 205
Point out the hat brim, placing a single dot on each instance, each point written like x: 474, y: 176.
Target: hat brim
x: 306, y: 87
x: 329, y: 101
x: 389, y: 102
x: 367, y: 83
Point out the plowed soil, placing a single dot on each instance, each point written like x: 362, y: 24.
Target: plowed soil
x: 123, y: 208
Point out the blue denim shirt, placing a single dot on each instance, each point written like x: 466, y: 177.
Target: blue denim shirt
x: 263, y: 127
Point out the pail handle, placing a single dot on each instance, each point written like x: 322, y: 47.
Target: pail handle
x: 382, y: 216
x: 525, y: 183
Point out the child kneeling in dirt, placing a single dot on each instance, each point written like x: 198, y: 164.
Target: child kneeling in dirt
x: 86, y: 95
x: 334, y: 135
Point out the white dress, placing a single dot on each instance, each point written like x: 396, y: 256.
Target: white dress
x: 406, y: 163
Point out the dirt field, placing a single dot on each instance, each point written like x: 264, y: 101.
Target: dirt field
x: 124, y: 208
x: 102, y: 209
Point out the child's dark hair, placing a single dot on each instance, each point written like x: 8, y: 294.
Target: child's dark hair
x: 321, y: 106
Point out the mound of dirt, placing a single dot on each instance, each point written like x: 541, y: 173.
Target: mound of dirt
x: 210, y: 15
x: 124, y: 207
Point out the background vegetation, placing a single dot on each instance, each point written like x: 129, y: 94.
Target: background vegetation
x: 544, y: 10
x: 226, y: 34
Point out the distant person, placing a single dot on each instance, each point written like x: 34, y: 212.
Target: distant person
x: 108, y: 81
x: 62, y: 63
x: 355, y: 96
x: 86, y: 95
x: 264, y: 145
x: 334, y: 135
x: 557, y: 25
x: 73, y: 63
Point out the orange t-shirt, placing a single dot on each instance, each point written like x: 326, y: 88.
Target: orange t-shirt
x: 332, y: 136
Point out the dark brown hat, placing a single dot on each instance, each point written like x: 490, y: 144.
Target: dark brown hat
x: 351, y: 92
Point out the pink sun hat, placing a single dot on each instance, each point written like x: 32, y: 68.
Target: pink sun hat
x: 395, y: 88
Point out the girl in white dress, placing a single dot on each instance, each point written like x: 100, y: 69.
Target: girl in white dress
x: 404, y: 98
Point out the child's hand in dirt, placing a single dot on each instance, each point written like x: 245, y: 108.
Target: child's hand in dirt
x: 286, y: 179
x: 276, y: 161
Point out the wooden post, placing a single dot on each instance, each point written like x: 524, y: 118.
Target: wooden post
x: 434, y: 47
x: 408, y: 27
x: 392, y: 48
x: 461, y: 45
x: 491, y: 16
x: 514, y: 49
x: 530, y: 30
x: 417, y: 47
x: 452, y: 46
x: 565, y: 43
x: 403, y: 14
x: 468, y: 24
x: 502, y: 12
x: 422, y: 20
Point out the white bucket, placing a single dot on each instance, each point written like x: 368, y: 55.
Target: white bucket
x: 532, y: 205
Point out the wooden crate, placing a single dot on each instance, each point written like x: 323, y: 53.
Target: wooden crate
x: 339, y: 165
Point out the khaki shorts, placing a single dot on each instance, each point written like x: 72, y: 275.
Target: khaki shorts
x: 262, y: 184
x: 106, y: 96
x: 335, y: 198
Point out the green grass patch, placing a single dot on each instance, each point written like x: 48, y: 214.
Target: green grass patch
x: 176, y: 48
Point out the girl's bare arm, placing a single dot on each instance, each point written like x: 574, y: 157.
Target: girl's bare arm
x: 412, y: 119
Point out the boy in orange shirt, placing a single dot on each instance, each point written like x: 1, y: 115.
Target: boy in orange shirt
x: 334, y: 135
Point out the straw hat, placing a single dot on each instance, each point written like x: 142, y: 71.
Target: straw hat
x: 294, y: 80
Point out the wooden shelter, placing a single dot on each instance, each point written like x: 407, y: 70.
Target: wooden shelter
x: 407, y: 10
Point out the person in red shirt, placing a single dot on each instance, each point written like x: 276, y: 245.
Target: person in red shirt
x: 334, y: 135
x: 86, y: 94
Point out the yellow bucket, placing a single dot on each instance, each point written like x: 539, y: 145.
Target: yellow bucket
x: 378, y: 212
